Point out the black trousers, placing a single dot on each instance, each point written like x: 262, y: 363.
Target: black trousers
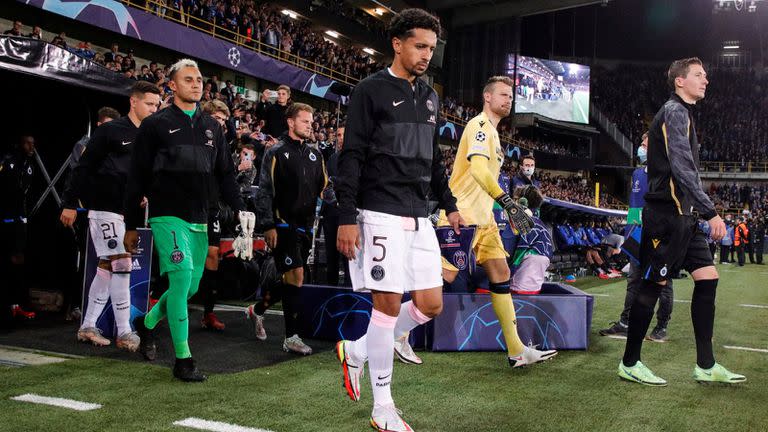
x: 725, y: 252
x: 758, y: 252
x: 634, y: 285
x: 333, y: 259
x: 740, y: 254
x: 751, y: 253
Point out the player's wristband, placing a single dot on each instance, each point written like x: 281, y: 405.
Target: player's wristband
x: 505, y: 201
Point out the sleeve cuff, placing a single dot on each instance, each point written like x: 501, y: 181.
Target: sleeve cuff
x: 709, y: 215
x: 348, y: 219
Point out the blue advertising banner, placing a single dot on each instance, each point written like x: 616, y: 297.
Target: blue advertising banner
x: 115, y: 16
x: 142, y: 266
x: 558, y: 318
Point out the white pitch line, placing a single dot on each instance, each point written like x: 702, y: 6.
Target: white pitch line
x: 59, y: 402
x: 760, y: 350
x: 230, y: 308
x: 754, y: 306
x: 681, y: 301
x: 208, y: 425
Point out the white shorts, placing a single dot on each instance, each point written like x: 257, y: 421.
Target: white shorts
x: 394, y: 256
x: 107, y: 233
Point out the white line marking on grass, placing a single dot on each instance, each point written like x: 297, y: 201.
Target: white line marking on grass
x: 201, y: 424
x: 230, y: 308
x: 681, y: 301
x: 754, y: 306
x: 599, y: 295
x: 59, y: 402
x: 760, y: 350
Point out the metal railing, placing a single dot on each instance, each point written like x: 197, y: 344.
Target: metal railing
x: 213, y: 29
x: 625, y: 144
x: 734, y: 167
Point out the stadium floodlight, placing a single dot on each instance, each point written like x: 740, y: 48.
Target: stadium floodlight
x: 332, y: 34
x: 289, y: 13
x: 379, y: 11
x: 573, y: 68
x: 369, y: 51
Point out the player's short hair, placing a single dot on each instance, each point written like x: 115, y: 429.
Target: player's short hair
x: 214, y: 106
x: 140, y: 88
x: 644, y: 136
x: 528, y: 156
x: 295, y: 108
x: 284, y: 87
x: 530, y: 193
x: 107, y: 112
x: 679, y: 69
x: 181, y: 64
x: 491, y: 83
x: 402, y: 24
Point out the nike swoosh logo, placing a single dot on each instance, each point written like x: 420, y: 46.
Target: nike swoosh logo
x: 174, y: 130
x: 394, y: 104
x: 126, y: 142
x: 384, y: 377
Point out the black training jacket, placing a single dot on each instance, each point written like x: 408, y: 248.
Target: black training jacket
x: 292, y: 178
x: 673, y: 161
x: 174, y: 162
x: 101, y: 174
x: 391, y: 162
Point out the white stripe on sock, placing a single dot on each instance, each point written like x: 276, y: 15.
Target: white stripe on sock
x: 208, y: 425
x: 59, y: 402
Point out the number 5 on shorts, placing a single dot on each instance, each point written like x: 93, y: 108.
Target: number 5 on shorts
x: 376, y: 242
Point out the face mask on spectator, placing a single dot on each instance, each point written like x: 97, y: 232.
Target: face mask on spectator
x: 528, y: 171
x: 642, y: 154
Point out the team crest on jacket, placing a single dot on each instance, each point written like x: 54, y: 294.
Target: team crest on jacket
x: 209, y: 133
x: 480, y: 136
x: 312, y: 157
x: 430, y: 105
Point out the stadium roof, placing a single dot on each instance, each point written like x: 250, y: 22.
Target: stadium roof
x: 475, y: 11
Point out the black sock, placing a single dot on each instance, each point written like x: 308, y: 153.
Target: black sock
x: 269, y: 296
x: 640, y: 316
x: 703, y: 317
x: 208, y: 286
x: 291, y: 308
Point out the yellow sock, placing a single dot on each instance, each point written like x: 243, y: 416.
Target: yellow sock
x: 505, y: 312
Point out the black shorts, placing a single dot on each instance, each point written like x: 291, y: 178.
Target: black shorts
x: 14, y: 237
x: 214, y: 229
x: 292, y: 249
x: 670, y: 242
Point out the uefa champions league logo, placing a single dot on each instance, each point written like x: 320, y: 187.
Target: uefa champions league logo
x: 233, y: 55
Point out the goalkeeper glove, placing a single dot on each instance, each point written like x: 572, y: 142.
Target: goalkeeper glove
x: 516, y: 214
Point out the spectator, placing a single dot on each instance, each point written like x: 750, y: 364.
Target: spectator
x: 274, y: 113
x: 37, y: 33
x: 15, y: 30
x: 112, y: 55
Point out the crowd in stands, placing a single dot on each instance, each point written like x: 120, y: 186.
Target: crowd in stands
x: 574, y: 189
x: 262, y: 25
x: 739, y: 197
x: 729, y: 120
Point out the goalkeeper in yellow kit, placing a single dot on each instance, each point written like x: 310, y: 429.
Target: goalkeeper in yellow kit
x: 475, y: 186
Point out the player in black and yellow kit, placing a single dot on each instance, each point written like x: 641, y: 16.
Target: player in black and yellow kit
x: 474, y: 184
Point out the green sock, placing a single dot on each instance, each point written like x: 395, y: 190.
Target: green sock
x: 178, y: 317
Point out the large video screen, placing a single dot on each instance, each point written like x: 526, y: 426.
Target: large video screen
x: 554, y: 89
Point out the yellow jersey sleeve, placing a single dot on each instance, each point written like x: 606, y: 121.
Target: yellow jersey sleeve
x: 478, y: 135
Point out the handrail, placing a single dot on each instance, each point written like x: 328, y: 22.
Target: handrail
x: 735, y: 167
x: 216, y: 31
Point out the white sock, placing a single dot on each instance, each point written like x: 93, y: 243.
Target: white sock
x: 410, y: 317
x: 381, y: 342
x: 120, y: 293
x: 358, y: 350
x: 97, y: 297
